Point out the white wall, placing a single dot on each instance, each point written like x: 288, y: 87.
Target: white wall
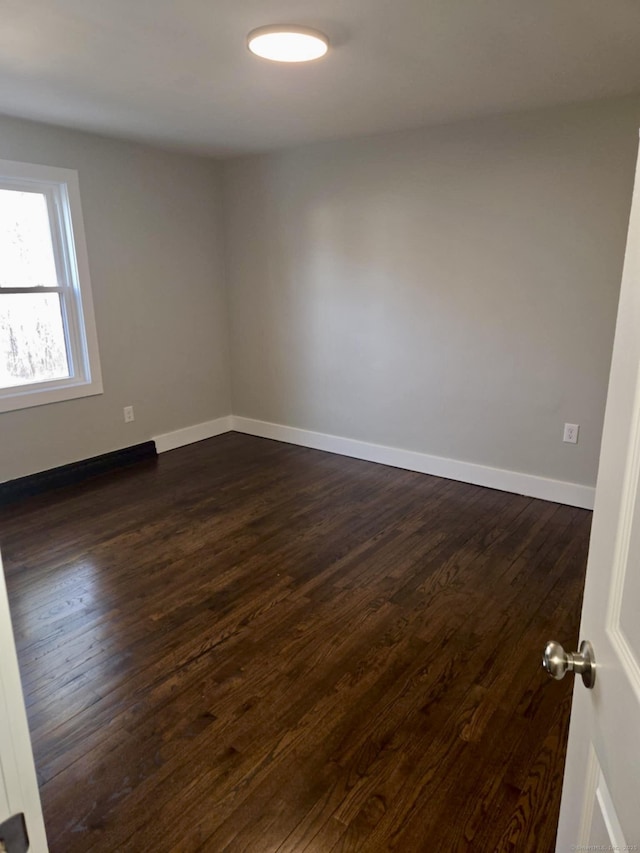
x: 152, y: 222
x: 451, y: 291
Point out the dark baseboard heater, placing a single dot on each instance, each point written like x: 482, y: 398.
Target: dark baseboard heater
x: 75, y: 472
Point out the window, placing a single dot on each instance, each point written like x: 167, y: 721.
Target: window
x: 48, y: 343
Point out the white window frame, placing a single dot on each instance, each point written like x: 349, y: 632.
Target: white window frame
x: 61, y: 189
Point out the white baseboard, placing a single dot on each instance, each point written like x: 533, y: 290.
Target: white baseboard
x: 572, y: 494
x: 531, y: 485
x: 189, y: 435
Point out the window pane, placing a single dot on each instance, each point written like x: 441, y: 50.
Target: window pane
x: 26, y: 251
x: 32, y: 347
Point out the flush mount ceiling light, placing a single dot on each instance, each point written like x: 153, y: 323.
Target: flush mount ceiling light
x: 287, y: 44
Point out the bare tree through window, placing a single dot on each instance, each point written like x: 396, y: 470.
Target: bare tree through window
x: 32, y: 334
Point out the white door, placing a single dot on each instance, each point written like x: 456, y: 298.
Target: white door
x: 18, y: 784
x: 601, y: 793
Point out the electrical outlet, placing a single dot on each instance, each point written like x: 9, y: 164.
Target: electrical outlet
x: 571, y: 433
x: 128, y: 414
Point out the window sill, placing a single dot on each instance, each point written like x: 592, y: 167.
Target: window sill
x: 26, y: 398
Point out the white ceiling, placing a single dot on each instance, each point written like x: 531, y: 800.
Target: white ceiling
x: 177, y: 72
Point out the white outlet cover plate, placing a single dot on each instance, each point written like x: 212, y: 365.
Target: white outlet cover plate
x: 571, y: 433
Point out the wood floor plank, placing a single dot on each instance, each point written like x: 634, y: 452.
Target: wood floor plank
x: 248, y: 646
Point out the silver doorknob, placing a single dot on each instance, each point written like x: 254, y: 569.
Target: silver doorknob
x: 557, y: 662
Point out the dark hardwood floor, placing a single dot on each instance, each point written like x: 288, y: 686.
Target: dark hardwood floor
x: 249, y: 646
